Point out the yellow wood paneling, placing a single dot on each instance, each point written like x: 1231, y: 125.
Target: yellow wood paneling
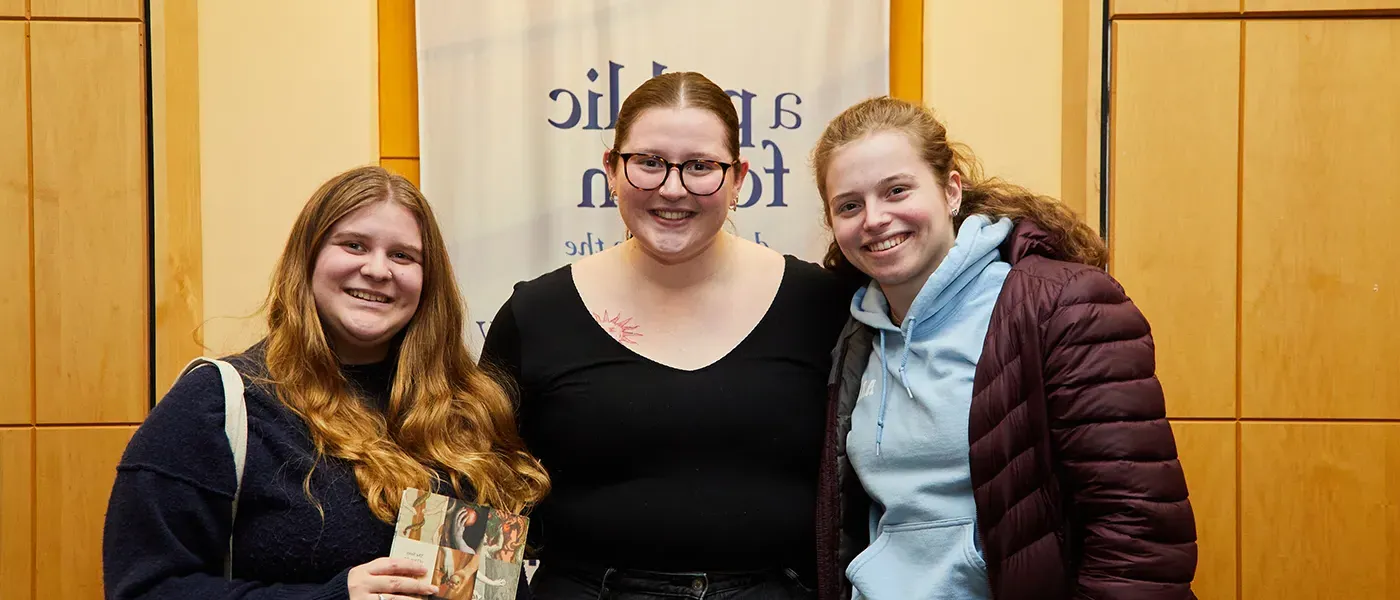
x: 398, y: 80
x: 1320, y: 512
x: 1093, y: 186
x: 89, y: 222
x: 16, y: 513
x: 1074, y: 105
x: 907, y: 49
x: 1135, y: 7
x: 1174, y: 200
x: 87, y: 9
x: 1011, y: 121
x: 75, y: 468
x: 179, y: 267
x: 1318, y: 5
x: 1207, y: 451
x: 16, y: 403
x: 408, y: 167
x: 11, y: 8
x: 1320, y: 275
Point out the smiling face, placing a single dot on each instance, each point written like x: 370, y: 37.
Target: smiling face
x: 889, y: 213
x: 671, y: 223
x: 367, y: 280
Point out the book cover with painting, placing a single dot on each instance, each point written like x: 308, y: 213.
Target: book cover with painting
x: 472, y: 552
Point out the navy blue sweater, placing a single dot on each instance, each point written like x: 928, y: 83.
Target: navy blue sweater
x: 168, y: 518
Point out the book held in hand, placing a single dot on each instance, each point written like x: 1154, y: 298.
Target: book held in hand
x: 472, y: 552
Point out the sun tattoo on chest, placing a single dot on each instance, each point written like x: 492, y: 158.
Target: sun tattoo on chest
x: 622, y: 330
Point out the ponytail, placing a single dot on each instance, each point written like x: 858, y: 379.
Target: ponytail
x: 1071, y: 239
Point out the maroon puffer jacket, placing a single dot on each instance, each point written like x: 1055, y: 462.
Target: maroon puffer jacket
x: 1074, y: 468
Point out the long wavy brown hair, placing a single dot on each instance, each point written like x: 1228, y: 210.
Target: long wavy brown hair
x: 448, y: 420
x: 1072, y: 239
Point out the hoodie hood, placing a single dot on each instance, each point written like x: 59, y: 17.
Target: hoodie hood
x: 977, y: 245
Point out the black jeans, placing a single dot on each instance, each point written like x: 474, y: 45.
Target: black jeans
x: 571, y: 581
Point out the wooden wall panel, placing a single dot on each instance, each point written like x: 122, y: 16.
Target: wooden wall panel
x: 906, y: 39
x: 1319, y: 517
x: 1074, y: 106
x: 408, y: 167
x: 75, y: 468
x: 1133, y: 7
x: 398, y: 80
x: 1207, y: 451
x: 87, y: 9
x: 16, y: 513
x: 1321, y: 196
x: 16, y: 402
x: 11, y: 8
x: 1011, y: 121
x: 1318, y: 5
x: 179, y: 265
x: 1174, y: 200
x: 89, y: 222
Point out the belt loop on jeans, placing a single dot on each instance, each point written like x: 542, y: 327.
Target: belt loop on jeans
x: 603, y: 584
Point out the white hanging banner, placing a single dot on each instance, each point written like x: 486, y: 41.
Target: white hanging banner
x: 518, y: 99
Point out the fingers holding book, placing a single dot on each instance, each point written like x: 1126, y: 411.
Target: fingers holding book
x: 388, y: 579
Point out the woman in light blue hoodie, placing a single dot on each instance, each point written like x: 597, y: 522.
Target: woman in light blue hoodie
x: 997, y: 431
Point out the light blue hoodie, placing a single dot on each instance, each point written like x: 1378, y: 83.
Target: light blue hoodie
x: 910, y: 450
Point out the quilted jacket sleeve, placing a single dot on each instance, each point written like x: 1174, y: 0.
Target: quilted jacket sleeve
x: 1134, y: 531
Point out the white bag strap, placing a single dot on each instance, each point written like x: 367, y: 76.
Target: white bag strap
x: 235, y: 428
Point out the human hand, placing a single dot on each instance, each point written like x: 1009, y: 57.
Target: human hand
x: 388, y: 579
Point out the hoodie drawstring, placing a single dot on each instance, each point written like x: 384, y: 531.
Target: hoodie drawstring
x: 904, y: 365
x: 885, y: 388
x: 884, y: 395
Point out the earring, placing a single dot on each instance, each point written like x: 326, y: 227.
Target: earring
x: 954, y: 212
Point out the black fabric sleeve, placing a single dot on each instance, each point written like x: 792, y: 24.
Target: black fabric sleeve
x: 169, y: 515
x: 501, y: 355
x: 501, y: 350
x: 165, y: 538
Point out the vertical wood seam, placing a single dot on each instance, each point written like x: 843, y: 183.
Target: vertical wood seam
x: 1239, y: 321
x: 33, y: 362
x: 149, y: 150
x: 29, y: 165
x: 1109, y: 215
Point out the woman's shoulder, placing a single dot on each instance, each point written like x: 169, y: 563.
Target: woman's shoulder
x: 1070, y: 303
x: 544, y: 289
x: 198, y: 397
x: 1060, y: 283
x: 816, y: 279
x: 812, y: 300
x: 183, y: 436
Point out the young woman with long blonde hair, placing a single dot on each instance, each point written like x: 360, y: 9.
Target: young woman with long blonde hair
x: 362, y: 387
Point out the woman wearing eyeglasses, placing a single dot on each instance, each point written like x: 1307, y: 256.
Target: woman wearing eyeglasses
x: 674, y: 386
